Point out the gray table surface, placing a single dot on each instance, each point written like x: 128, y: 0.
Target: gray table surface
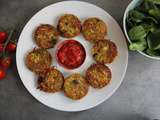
x: 138, y: 98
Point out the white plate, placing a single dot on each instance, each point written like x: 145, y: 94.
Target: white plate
x: 50, y: 15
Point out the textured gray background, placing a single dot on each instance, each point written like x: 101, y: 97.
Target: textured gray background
x: 138, y: 98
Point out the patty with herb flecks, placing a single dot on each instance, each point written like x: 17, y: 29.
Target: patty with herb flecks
x: 69, y: 25
x: 46, y: 36
x: 52, y: 81
x: 104, y: 51
x: 98, y: 75
x: 38, y: 61
x: 75, y: 86
x: 94, y: 29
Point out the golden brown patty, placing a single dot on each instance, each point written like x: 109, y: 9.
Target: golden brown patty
x: 38, y: 60
x: 52, y: 81
x: 104, y: 51
x: 94, y: 29
x: 75, y: 86
x: 69, y: 25
x: 46, y: 36
x: 98, y: 75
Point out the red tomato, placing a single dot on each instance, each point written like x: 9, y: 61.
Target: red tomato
x: 11, y: 47
x: 3, y: 37
x: 2, y: 74
x: 1, y: 47
x: 5, y: 62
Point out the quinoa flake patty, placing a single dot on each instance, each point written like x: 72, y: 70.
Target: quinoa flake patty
x: 75, y: 86
x: 52, y: 81
x: 104, y: 51
x: 98, y: 75
x: 46, y: 36
x: 38, y: 60
x: 94, y: 29
x: 69, y: 25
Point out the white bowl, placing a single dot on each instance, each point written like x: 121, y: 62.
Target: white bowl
x: 131, y: 6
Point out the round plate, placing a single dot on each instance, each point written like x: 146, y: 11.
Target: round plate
x: 50, y: 15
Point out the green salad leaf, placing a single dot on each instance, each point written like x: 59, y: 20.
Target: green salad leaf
x: 149, y: 27
x: 155, y: 13
x: 153, y: 40
x: 146, y: 5
x: 150, y: 19
x: 130, y: 23
x: 138, y: 45
x: 154, y: 1
x: 153, y: 52
x: 136, y: 16
x: 137, y: 32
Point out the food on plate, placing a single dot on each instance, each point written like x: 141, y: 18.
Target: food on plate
x: 98, y: 75
x: 52, y: 81
x: 71, y: 54
x: 38, y: 61
x: 46, y: 36
x: 94, y: 29
x: 75, y: 86
x: 104, y: 51
x: 143, y: 26
x: 69, y: 25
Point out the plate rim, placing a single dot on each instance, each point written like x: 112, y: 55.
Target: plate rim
x: 98, y: 103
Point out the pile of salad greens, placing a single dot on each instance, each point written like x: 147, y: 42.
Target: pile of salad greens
x: 143, y: 26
